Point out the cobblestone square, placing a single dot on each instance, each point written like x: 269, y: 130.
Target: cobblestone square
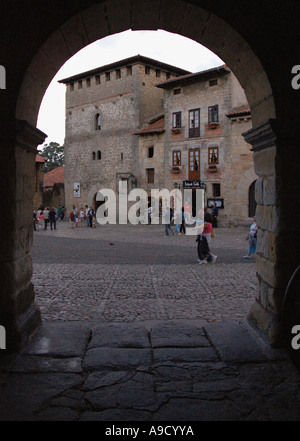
x: 135, y: 273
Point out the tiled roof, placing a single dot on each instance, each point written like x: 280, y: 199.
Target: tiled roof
x: 55, y: 176
x: 239, y: 111
x: 191, y: 77
x: 39, y: 158
x: 154, y: 126
x: 127, y: 61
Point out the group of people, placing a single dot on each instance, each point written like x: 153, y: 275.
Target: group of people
x: 82, y: 217
x: 45, y: 216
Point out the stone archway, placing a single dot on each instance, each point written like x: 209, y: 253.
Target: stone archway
x: 18, y: 311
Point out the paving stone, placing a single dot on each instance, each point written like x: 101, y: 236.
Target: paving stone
x: 116, y: 358
x: 184, y: 409
x: 120, y: 335
x: 136, y: 393
x: 58, y: 340
x: 117, y: 415
x: 234, y: 342
x: 189, y: 355
x: 31, y: 364
x: 178, y: 334
x: 97, y: 380
x: 58, y: 414
x: 26, y: 394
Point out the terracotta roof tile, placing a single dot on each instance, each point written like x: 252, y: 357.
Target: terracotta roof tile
x: 39, y: 158
x: 55, y: 176
x: 239, y: 111
x: 155, y: 126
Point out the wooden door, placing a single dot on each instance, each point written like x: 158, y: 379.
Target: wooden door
x: 194, y: 165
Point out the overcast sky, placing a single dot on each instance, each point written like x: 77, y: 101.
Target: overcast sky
x: 162, y: 46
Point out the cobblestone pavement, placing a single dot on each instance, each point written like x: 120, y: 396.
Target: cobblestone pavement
x: 128, y: 273
x: 138, y: 331
x: 156, y: 371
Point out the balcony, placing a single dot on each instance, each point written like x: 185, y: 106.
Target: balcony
x: 212, y: 168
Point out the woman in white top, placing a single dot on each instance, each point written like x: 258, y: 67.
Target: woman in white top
x: 252, y: 239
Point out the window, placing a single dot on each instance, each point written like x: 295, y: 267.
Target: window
x: 147, y: 70
x: 107, y: 76
x: 150, y: 152
x: 177, y: 91
x: 99, y: 155
x: 118, y: 74
x: 213, y: 82
x: 94, y: 156
x: 129, y: 70
x: 213, y: 155
x: 79, y: 84
x: 122, y: 156
x: 176, y: 120
x: 88, y: 82
x: 97, y: 78
x: 176, y: 158
x: 168, y: 75
x: 213, y: 114
x: 194, y: 123
x: 157, y: 73
x: 216, y: 190
x: 98, y: 122
x: 150, y: 175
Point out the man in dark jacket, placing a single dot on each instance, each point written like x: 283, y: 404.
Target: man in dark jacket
x: 52, y: 218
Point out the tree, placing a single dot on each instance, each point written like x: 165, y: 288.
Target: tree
x: 54, y: 155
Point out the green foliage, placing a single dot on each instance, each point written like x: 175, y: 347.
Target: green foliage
x: 54, y: 155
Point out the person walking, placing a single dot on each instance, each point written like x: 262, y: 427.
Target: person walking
x: 41, y: 221
x: 52, y: 219
x: 182, y: 226
x: 72, y: 219
x: 204, y: 254
x: 168, y: 220
x: 46, y: 217
x: 252, y: 238
x: 34, y: 220
x: 214, y: 215
x: 87, y: 217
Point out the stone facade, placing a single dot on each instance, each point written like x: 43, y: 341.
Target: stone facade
x: 103, y: 109
x: 107, y: 108
x: 176, y: 147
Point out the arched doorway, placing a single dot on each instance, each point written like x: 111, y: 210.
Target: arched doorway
x: 75, y: 28
x: 252, y: 202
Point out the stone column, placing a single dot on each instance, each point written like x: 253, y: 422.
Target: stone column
x: 265, y: 313
x: 18, y: 312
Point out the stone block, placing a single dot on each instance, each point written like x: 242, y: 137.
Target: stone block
x: 118, y: 15
x: 234, y: 342
x: 266, y: 270
x: 119, y: 335
x: 116, y: 358
x: 178, y: 335
x: 184, y: 355
x: 270, y: 194
x: 259, y: 186
x: 75, y: 35
x: 264, y: 162
x: 95, y: 22
x: 145, y: 15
